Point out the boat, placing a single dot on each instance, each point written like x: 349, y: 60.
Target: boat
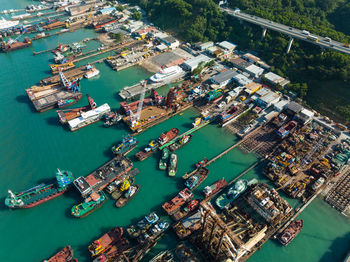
x: 197, y: 178
x: 164, y: 159
x: 180, y: 142
x: 112, y: 118
x: 197, y: 122
x: 134, y: 231
x: 154, y: 233
x: 69, y: 114
x: 227, y: 114
x: 185, y: 209
x: 147, y: 151
x: 92, y: 71
x: 91, y: 203
x: 127, y: 145
x: 61, y: 67
x: 89, y: 117
x: 128, y: 195
x: 105, y: 242
x: 68, y: 102
x: 167, y: 74
x: 65, y: 255
x: 40, y: 193
x: 155, y: 144
x: 173, y: 163
x: 121, y: 246
x: 290, y: 232
x: 202, y: 163
x: 233, y: 193
x: 211, y: 190
x: 164, y: 256
x: 188, y: 225
x: 12, y: 45
x: 105, y: 21
x: 122, y: 186
x: 174, y: 204
x: 5, y: 24
x: 318, y: 183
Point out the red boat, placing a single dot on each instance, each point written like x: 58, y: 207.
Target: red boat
x: 290, y: 232
x: 104, y: 243
x: 185, y: 210
x: 121, y: 246
x: 65, y: 255
x: 153, y: 145
x: 211, y: 190
x: 173, y: 205
x: 202, y: 163
x: 12, y: 45
x: 228, y: 114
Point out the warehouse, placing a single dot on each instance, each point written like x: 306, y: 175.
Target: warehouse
x: 223, y: 78
x: 193, y: 63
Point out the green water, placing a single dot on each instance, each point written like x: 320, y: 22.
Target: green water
x: 33, y: 145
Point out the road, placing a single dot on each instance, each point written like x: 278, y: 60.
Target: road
x: 287, y: 30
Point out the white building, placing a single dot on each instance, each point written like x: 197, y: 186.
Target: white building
x: 227, y: 46
x: 194, y: 62
x: 254, y: 71
x: 275, y: 79
x: 242, y: 80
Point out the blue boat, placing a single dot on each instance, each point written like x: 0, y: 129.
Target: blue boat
x: 127, y: 145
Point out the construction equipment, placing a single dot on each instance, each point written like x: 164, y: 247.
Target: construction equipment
x: 73, y: 86
x: 136, y: 118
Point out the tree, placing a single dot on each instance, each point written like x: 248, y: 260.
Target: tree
x: 136, y: 16
x: 118, y: 37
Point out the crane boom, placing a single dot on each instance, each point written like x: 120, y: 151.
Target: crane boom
x: 142, y: 97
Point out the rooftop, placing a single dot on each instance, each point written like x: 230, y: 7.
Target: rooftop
x: 227, y: 45
x: 224, y: 76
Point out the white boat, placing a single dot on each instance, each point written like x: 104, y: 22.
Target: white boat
x: 93, y: 71
x: 89, y: 117
x: 4, y: 24
x: 167, y: 74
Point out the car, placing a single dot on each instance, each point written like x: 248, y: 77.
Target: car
x: 222, y: 104
x: 290, y: 28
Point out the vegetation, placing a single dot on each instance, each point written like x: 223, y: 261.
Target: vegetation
x: 118, y: 37
x: 306, y: 65
x: 136, y: 16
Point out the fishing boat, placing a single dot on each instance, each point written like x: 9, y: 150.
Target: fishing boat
x: 40, y: 193
x: 154, y: 233
x: 112, y: 118
x: 65, y: 255
x: 185, y: 209
x: 174, y: 204
x: 127, y: 145
x: 148, y: 221
x: 122, y: 187
x: 91, y: 203
x: 128, y: 195
x: 68, y: 102
x: 217, y: 186
x: 163, y: 161
x: 197, y: 178
x: 168, y: 136
x: 233, y: 193
x: 173, y: 163
x: 180, y: 142
x: 202, y: 163
x: 105, y: 242
x: 290, y: 232
x: 120, y: 247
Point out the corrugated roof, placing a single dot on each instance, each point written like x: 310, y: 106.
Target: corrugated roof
x: 224, y: 76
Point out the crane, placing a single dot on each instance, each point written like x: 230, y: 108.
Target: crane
x: 67, y: 84
x: 91, y: 10
x: 136, y: 118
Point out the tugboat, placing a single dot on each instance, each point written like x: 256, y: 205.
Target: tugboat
x: 94, y: 201
x: 180, y: 142
x: 132, y: 191
x: 233, y: 193
x: 290, y: 232
x: 185, y: 209
x: 148, y: 221
x: 92, y: 71
x: 164, y: 159
x: 105, y: 242
x: 68, y: 102
x: 173, y: 205
x: 211, y: 190
x: 122, y: 186
x: 154, y: 233
x: 40, y: 193
x: 65, y: 255
x: 197, y: 178
x: 126, y: 146
x: 112, y: 118
x: 202, y: 163
x: 173, y: 162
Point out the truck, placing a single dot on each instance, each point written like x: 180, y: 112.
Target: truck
x: 304, y: 32
x: 347, y: 45
x: 328, y: 39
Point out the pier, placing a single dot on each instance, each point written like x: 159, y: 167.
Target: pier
x: 339, y: 195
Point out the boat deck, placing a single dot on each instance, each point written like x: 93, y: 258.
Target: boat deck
x: 50, y: 101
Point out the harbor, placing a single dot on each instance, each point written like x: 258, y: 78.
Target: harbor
x: 234, y: 145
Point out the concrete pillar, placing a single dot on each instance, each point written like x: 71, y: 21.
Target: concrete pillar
x: 290, y: 44
x: 263, y: 33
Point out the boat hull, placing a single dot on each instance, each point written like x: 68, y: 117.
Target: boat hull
x: 39, y: 202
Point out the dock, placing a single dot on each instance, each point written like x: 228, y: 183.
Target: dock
x: 339, y: 195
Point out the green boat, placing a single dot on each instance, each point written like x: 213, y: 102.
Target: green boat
x: 94, y: 201
x: 172, y: 168
x: 164, y: 159
x: 122, y: 187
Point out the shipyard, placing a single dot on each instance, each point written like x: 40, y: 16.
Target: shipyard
x: 170, y: 150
